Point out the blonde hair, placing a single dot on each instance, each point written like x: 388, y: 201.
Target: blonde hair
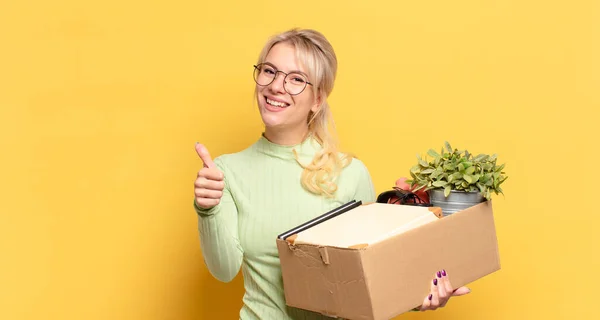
x: 318, y: 57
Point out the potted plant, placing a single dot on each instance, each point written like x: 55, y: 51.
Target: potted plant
x: 455, y: 179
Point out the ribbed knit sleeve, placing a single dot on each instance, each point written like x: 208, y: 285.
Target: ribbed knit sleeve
x: 219, y: 237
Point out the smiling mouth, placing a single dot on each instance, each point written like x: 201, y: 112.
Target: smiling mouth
x: 277, y: 103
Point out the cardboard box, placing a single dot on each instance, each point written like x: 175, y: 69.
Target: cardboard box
x: 377, y: 260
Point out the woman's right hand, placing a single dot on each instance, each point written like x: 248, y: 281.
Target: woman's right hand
x: 208, y: 187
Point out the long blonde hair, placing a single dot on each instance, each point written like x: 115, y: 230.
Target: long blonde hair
x: 318, y: 57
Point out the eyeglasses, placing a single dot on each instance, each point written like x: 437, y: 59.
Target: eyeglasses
x: 293, y: 83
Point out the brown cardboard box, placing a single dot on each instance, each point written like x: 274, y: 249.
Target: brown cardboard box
x: 377, y: 261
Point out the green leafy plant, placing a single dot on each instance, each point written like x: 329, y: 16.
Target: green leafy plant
x: 454, y: 169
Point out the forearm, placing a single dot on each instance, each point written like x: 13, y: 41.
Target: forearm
x: 221, y: 249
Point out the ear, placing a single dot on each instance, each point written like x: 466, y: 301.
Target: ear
x: 317, y: 104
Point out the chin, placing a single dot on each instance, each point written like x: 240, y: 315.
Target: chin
x: 271, y: 120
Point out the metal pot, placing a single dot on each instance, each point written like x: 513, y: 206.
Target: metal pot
x: 456, y: 200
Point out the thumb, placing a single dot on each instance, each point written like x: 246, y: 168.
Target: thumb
x: 204, y: 155
x: 461, y: 291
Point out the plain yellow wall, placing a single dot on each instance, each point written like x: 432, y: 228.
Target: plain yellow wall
x: 101, y: 103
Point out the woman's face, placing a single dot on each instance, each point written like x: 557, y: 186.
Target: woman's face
x: 278, y: 108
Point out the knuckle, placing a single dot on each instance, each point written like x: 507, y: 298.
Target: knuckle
x: 218, y: 174
x: 200, y: 180
x: 217, y: 186
x: 204, y: 172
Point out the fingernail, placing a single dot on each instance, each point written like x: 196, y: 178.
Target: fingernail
x: 444, y: 273
x: 439, y: 274
x: 430, y: 296
x: 435, y: 282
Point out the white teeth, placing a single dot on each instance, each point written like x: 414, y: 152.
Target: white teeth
x: 276, y: 104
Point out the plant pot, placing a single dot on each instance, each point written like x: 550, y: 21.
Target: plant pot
x: 456, y: 200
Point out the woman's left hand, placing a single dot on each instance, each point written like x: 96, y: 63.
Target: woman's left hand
x: 441, y: 291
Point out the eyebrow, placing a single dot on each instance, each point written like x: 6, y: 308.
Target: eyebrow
x: 293, y: 71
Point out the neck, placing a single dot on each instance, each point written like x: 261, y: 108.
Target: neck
x: 286, y: 137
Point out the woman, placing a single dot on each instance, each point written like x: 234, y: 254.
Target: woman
x: 292, y: 173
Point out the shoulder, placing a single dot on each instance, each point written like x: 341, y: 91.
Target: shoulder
x: 356, y: 170
x: 357, y: 164
x: 355, y: 182
x: 233, y: 160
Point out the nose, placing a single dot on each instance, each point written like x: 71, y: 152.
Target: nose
x: 278, y: 85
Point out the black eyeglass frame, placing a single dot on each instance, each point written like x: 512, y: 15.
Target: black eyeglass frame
x: 256, y: 67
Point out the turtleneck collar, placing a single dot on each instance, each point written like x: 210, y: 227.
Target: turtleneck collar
x: 305, y: 149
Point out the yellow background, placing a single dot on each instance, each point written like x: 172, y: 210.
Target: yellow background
x: 101, y: 103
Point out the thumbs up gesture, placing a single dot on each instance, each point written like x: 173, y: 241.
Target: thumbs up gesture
x: 209, y: 184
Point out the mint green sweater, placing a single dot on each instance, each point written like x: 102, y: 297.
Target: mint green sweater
x: 263, y: 197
